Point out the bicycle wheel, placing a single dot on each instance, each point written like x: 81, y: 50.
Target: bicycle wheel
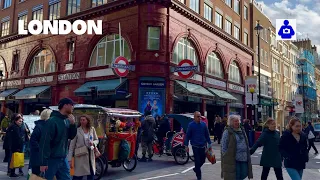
x: 99, y: 169
x: 181, y: 156
x: 130, y: 164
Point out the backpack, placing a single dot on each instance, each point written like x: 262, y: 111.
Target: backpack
x: 124, y: 150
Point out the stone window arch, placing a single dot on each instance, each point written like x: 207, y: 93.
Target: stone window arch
x: 42, y: 63
x: 234, y: 73
x: 214, y: 65
x: 107, y: 49
x: 184, y: 49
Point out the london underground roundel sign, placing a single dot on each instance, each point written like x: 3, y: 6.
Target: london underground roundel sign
x: 186, y: 68
x: 121, y: 66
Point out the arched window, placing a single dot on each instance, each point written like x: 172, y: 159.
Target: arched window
x: 234, y: 73
x: 184, y: 50
x: 107, y: 49
x: 214, y: 65
x: 3, y: 68
x: 43, y: 63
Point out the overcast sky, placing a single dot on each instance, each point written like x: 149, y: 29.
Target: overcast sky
x: 306, y: 12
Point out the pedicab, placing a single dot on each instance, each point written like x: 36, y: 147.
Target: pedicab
x: 111, y: 132
x: 174, y: 141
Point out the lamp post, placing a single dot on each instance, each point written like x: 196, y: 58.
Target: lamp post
x: 303, y: 96
x: 258, y: 28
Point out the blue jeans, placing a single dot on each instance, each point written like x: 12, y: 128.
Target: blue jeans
x: 241, y: 170
x: 295, y: 174
x: 58, y: 167
x: 199, y: 154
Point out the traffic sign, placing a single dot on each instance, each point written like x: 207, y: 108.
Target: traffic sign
x: 121, y: 66
x: 186, y: 68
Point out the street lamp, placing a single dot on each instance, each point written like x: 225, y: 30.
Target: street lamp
x: 303, y: 97
x: 258, y: 28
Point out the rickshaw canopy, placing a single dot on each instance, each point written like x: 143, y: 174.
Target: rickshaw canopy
x: 185, y: 119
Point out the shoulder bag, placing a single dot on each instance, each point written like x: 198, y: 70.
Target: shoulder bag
x: 81, y: 151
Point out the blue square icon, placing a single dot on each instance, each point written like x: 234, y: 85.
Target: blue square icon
x: 286, y: 29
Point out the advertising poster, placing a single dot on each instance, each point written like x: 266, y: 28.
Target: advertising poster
x: 152, y: 97
x: 251, y: 90
x: 152, y: 100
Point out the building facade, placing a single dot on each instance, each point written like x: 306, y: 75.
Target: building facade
x: 265, y: 63
x: 154, y: 36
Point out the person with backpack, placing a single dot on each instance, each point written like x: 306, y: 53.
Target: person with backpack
x: 310, y: 133
x: 147, y: 135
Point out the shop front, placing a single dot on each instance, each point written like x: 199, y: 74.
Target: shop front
x: 266, y: 111
x: 8, y: 104
x: 111, y: 93
x: 188, y: 97
x: 237, y: 107
x: 152, y: 93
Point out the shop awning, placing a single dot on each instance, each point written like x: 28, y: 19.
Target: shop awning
x: 190, y: 89
x: 31, y: 92
x: 7, y: 93
x: 224, y: 95
x: 105, y: 87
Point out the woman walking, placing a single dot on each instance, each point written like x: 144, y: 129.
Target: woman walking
x: 82, y: 149
x: 294, y: 149
x: 235, y: 158
x: 34, y: 163
x: 15, y: 141
x: 271, y: 157
x: 311, y: 138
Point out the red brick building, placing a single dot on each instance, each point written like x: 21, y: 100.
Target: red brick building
x: 38, y: 70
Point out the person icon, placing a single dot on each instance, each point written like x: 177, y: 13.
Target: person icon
x: 286, y: 31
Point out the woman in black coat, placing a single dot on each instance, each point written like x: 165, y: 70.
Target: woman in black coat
x: 35, y: 140
x: 294, y: 149
x: 15, y: 141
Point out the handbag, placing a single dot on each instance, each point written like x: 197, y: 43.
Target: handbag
x: 35, y: 177
x: 17, y: 160
x: 311, y: 135
x: 96, y: 152
x: 81, y: 151
x: 72, y: 167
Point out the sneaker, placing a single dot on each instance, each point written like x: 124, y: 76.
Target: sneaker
x: 143, y: 159
x: 316, y: 153
x: 14, y: 176
x: 149, y: 159
x: 21, y: 174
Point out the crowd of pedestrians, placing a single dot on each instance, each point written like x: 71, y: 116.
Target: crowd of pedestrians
x: 56, y: 144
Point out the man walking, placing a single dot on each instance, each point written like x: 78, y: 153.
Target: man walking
x: 54, y: 142
x: 148, y: 126
x: 198, y: 134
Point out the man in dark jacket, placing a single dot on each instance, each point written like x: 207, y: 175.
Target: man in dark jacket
x: 148, y: 126
x: 59, y: 128
x: 311, y: 139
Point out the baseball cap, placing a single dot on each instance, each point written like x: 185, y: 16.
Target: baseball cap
x: 65, y: 101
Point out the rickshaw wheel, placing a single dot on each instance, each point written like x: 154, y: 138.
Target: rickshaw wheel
x: 105, y: 162
x: 182, y: 153
x: 99, y: 169
x: 130, y: 161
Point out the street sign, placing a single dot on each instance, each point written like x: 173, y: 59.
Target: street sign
x: 121, y: 66
x: 186, y: 68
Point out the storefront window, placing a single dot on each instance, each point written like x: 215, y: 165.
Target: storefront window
x: 107, y: 49
x: 184, y: 50
x: 214, y: 66
x: 43, y: 63
x: 234, y: 73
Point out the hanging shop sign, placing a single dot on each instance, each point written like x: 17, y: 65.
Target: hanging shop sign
x: 121, y: 66
x: 186, y: 68
x: 299, y: 104
x: 251, y: 90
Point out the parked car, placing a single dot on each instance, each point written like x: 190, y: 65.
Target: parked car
x: 317, y: 131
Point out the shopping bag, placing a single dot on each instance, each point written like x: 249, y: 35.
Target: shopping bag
x: 210, y: 155
x: 311, y: 135
x: 72, y: 167
x: 17, y: 160
x: 35, y: 177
